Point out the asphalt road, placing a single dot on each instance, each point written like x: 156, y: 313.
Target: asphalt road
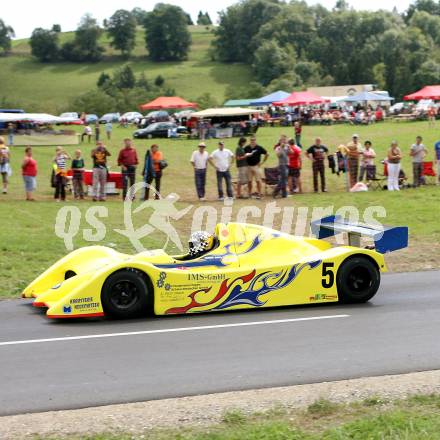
x: 51, y: 365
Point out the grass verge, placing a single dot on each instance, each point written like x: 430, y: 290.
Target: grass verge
x: 415, y: 418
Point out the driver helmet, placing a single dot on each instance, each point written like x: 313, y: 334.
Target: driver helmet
x: 200, y: 242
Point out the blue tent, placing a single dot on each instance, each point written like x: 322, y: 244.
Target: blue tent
x: 268, y: 99
x: 366, y: 96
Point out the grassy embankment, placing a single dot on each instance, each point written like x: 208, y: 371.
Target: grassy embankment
x: 50, y: 87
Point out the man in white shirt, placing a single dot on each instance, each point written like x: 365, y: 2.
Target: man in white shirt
x: 199, y: 161
x: 221, y: 160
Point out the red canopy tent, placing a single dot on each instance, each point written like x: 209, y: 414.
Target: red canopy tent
x: 301, y: 98
x: 428, y: 92
x: 164, y: 102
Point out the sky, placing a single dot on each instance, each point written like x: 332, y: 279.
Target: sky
x: 25, y: 16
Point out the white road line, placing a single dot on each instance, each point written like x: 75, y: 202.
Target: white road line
x: 170, y: 330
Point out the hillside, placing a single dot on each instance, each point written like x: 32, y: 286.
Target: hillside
x: 35, y: 86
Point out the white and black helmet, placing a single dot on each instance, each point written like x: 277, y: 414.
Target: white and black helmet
x: 200, y: 242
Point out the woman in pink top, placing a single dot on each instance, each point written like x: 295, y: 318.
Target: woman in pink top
x: 29, y: 172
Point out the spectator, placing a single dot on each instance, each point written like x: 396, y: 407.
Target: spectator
x: 294, y: 167
x: 221, y: 159
x: 29, y: 172
x: 199, y: 161
x: 87, y: 132
x: 11, y: 130
x: 298, y: 132
x: 99, y: 156
x: 254, y: 153
x: 60, y: 168
x: 367, y: 161
x: 153, y: 170
x: 78, y: 175
x: 317, y: 153
x: 281, y: 151
x: 242, y: 167
x: 108, y: 130
x: 353, y: 153
x: 437, y: 159
x: 417, y: 153
x: 97, y: 131
x: 393, y: 163
x: 128, y: 161
x: 431, y: 117
x: 5, y: 167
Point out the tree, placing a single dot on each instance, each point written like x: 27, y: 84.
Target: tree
x: 95, y: 101
x: 139, y: 15
x: 166, y: 33
x: 85, y: 46
x: 429, y: 6
x: 142, y: 82
x: 56, y: 28
x: 271, y: 61
x: 429, y: 73
x: 189, y: 20
x: 203, y: 19
x: 124, y: 78
x: 206, y: 101
x: 121, y: 28
x: 44, y: 45
x: 103, y: 80
x: 6, y: 34
x: 159, y: 81
x: 239, y: 24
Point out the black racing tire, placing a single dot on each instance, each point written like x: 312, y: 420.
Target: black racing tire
x: 358, y: 280
x: 125, y: 294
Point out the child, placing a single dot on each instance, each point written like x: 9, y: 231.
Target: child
x: 29, y: 171
x: 78, y: 172
x: 60, y: 167
x: 5, y: 168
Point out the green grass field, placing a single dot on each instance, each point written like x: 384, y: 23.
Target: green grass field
x: 28, y: 242
x: 50, y: 87
x: 375, y: 418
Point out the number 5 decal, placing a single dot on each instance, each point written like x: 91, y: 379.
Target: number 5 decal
x: 328, y: 276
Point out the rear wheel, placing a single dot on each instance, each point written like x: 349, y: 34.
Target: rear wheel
x: 358, y: 280
x: 125, y: 294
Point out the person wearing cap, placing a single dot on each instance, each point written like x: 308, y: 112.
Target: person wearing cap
x: 317, y: 153
x: 199, y: 161
x: 221, y: 159
x: 353, y: 152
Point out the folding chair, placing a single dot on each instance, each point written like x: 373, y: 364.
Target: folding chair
x: 428, y: 173
x: 271, y: 179
x: 374, y: 181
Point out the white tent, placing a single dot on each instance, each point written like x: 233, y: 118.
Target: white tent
x: 38, y: 118
x: 219, y: 112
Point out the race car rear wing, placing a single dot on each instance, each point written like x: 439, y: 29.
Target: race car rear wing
x: 386, y: 238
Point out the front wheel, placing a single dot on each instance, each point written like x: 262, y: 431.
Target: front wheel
x: 358, y: 280
x: 149, y: 136
x: 125, y: 294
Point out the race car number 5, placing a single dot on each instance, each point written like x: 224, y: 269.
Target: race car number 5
x: 328, y: 276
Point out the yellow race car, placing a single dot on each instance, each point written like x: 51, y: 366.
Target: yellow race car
x: 240, y: 266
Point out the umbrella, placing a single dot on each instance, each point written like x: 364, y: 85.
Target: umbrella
x: 428, y: 92
x: 164, y: 102
x: 301, y: 98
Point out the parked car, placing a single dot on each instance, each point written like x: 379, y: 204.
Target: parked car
x: 109, y: 117
x: 131, y: 117
x: 91, y: 119
x: 71, y: 118
x: 158, y: 130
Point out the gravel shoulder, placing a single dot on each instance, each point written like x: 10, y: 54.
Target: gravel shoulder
x: 209, y: 409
